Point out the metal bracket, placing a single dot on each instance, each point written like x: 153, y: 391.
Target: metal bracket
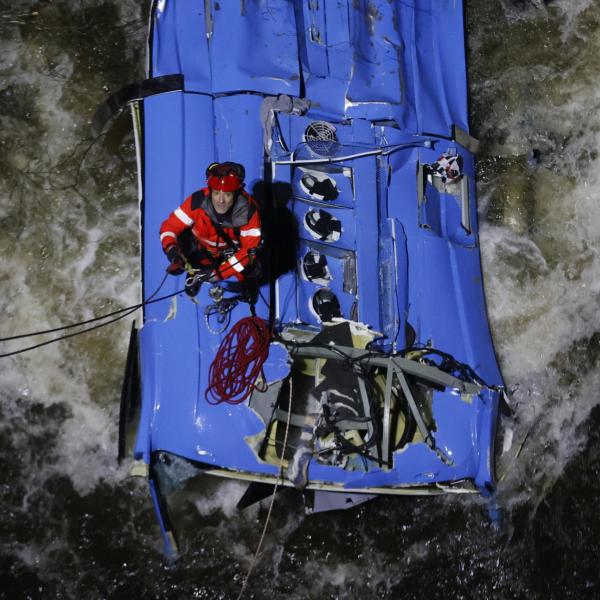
x: 400, y: 367
x: 465, y: 139
x: 425, y: 432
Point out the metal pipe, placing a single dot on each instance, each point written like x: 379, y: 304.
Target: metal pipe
x: 378, y: 152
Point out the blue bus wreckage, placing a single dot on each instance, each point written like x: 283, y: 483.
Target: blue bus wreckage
x: 350, y: 118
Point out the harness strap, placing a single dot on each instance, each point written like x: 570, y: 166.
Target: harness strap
x: 223, y: 234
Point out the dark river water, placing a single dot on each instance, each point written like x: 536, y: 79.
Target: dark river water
x: 76, y: 525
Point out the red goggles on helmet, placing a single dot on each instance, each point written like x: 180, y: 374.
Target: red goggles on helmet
x: 225, y: 177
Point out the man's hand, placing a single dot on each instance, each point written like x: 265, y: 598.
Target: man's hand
x: 177, y: 266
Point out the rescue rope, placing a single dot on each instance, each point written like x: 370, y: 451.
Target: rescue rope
x: 122, y: 312
x: 150, y: 300
x: 278, y: 482
x: 238, y: 362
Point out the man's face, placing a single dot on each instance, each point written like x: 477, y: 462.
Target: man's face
x: 221, y: 201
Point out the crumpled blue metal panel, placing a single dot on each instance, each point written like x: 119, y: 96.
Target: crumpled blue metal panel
x: 393, y: 287
x: 325, y: 53
x: 235, y: 117
x: 175, y: 356
x: 445, y: 291
x: 228, y: 48
x: 356, y: 45
x: 439, y: 66
x: 488, y: 416
x: 253, y: 47
x: 365, y: 170
x: 397, y: 60
x: 377, y: 50
x: 178, y: 43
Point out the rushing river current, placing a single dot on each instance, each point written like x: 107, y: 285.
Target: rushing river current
x: 75, y: 525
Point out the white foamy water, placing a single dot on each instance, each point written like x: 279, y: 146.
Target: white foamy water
x: 67, y: 245
x: 68, y: 206
x: 541, y: 261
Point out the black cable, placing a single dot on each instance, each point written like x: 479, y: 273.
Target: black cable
x: 346, y: 446
x: 110, y: 314
x: 449, y: 364
x: 270, y: 215
x: 263, y: 298
x: 129, y: 311
x: 69, y: 335
x: 126, y: 312
x: 133, y: 307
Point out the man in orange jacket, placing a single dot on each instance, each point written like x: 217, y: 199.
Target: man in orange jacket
x: 224, y: 222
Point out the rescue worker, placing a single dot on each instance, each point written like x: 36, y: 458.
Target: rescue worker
x: 224, y: 223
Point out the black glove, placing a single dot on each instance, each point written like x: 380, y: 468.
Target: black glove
x: 177, y: 266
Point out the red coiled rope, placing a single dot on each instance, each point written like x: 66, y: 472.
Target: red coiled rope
x: 238, y: 361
